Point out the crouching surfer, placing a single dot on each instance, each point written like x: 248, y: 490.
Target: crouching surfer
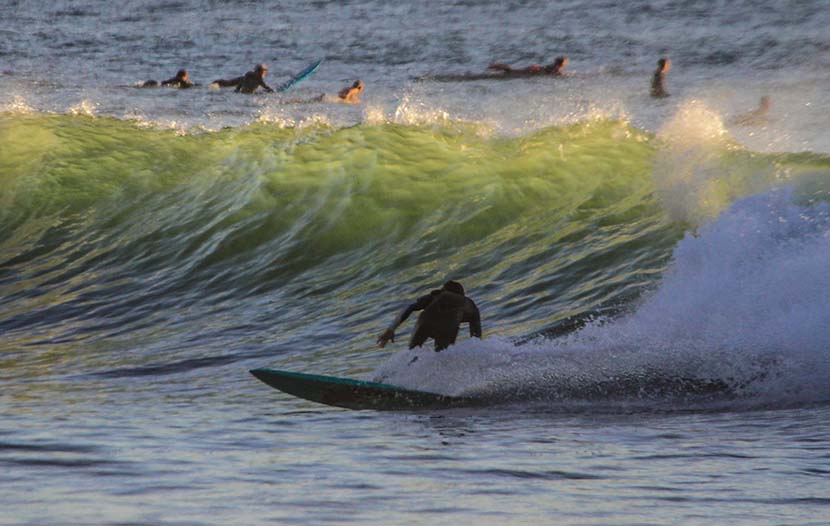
x: 444, y: 310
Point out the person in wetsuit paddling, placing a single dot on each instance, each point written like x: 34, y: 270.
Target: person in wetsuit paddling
x: 554, y: 69
x: 444, y: 310
x: 181, y: 80
x: 249, y: 82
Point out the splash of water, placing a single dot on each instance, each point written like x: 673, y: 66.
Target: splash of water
x: 742, y: 310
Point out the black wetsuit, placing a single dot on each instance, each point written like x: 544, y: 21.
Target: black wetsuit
x: 248, y: 83
x: 554, y: 69
x: 176, y: 82
x: 658, y: 89
x: 443, y: 313
x: 226, y: 83
x: 251, y: 81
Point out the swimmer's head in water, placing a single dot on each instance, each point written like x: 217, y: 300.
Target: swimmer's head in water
x: 453, y: 286
x: 558, y: 65
x: 262, y: 69
x: 664, y: 64
x: 358, y: 84
x: 182, y: 74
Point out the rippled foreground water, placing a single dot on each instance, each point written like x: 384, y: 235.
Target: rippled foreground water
x: 271, y: 460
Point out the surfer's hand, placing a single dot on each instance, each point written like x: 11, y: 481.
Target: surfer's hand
x: 389, y: 334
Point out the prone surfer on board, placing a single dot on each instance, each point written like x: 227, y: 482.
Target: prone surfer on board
x: 347, y: 95
x: 502, y: 71
x: 444, y: 310
x: 554, y: 69
x: 181, y: 80
x: 351, y: 94
x: 247, y: 83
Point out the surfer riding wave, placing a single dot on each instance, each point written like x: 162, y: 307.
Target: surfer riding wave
x: 444, y: 310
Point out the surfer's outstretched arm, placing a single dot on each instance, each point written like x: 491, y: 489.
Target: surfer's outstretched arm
x: 389, y: 334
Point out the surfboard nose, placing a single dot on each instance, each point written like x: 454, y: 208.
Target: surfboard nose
x: 260, y: 373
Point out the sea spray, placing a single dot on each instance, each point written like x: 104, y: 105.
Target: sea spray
x: 699, y: 169
x: 742, y: 307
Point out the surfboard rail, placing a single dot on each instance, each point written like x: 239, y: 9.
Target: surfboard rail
x: 354, y: 394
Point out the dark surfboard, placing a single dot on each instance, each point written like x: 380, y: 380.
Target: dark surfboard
x: 354, y: 394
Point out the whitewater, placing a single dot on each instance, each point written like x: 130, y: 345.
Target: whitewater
x: 652, y: 275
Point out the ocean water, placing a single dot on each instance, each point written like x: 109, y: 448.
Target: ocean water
x: 156, y: 244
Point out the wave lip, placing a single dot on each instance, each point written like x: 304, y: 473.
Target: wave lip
x: 114, y: 233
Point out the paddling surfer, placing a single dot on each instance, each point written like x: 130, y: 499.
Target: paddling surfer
x: 444, y: 310
x: 181, y: 80
x: 249, y: 82
x: 500, y: 71
x: 347, y: 95
x: 351, y: 94
x: 554, y: 69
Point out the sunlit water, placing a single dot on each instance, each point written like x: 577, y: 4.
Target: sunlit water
x: 155, y: 244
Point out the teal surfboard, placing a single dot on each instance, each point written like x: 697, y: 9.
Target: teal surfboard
x: 299, y: 77
x: 354, y: 394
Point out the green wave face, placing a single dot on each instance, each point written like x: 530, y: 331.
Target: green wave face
x: 108, y: 228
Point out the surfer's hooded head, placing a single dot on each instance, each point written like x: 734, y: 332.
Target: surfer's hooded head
x: 453, y: 286
x: 558, y: 65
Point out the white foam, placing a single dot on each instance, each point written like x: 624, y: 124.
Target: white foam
x: 374, y: 114
x: 276, y: 116
x: 16, y: 104
x: 413, y: 111
x: 85, y: 107
x: 687, y: 171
